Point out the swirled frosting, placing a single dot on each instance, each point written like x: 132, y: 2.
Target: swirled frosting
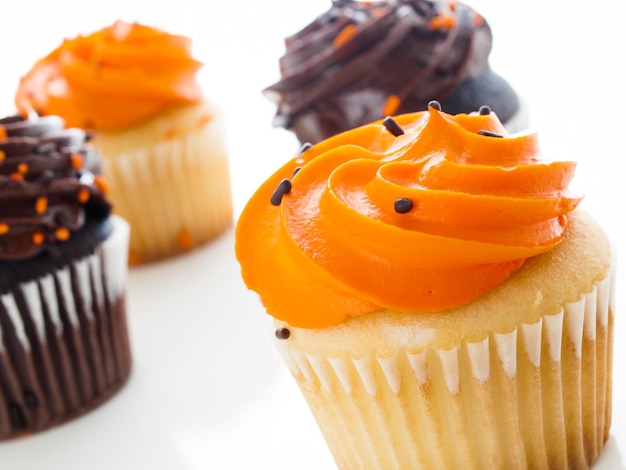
x: 113, y: 78
x: 48, y: 185
x: 422, y: 213
x: 362, y: 61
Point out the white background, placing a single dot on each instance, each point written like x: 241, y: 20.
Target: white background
x: 208, y: 390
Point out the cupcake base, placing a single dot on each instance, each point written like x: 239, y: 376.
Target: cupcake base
x: 514, y: 381
x: 64, y: 343
x: 170, y: 180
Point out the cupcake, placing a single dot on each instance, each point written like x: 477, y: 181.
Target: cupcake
x: 361, y: 61
x: 438, y: 295
x: 64, y: 344
x: 162, y: 141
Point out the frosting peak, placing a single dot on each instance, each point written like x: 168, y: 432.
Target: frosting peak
x: 48, y: 185
x: 422, y: 213
x: 113, y: 78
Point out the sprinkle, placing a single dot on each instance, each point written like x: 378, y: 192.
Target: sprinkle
x: 185, y: 240
x: 442, y: 22
x: 478, y: 20
x: 489, y: 133
x: 171, y: 134
x: 16, y: 176
x: 83, y: 195
x: 204, y: 120
x: 435, y: 104
x: 3, y: 133
x: 392, y: 126
x: 345, y: 35
x: 76, y: 160
x: 101, y: 184
x: 41, y: 205
x: 296, y: 170
x: 62, y: 234
x: 3, y: 156
x: 391, y: 105
x: 484, y: 110
x: 283, y: 333
x: 402, y: 205
x: 452, y: 5
x: 22, y: 168
x: 38, y: 238
x: 133, y: 258
x: 4, y: 228
x: 283, y: 188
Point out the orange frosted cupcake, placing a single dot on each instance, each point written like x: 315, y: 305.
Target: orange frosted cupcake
x: 163, y: 142
x: 437, y: 295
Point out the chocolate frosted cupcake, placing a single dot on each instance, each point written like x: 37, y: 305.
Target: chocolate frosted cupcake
x: 63, y: 337
x: 362, y: 61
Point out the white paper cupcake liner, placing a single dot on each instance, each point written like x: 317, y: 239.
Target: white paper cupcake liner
x: 538, y: 396
x: 63, y: 339
x: 174, y: 192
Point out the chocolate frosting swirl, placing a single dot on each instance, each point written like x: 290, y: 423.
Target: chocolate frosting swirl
x: 49, y: 186
x: 351, y: 64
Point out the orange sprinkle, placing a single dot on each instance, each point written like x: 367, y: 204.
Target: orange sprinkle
x: 185, y: 241
x: 345, y: 35
x: 205, y: 119
x: 171, y: 134
x: 76, y: 160
x: 442, y: 22
x: 22, y: 168
x: 62, y: 234
x: 452, y: 4
x: 3, y: 156
x: 41, y: 205
x: 391, y: 105
x: 16, y: 176
x: 101, y: 184
x: 83, y: 195
x: 379, y: 12
x: 133, y: 259
x: 4, y: 228
x: 478, y: 20
x: 38, y: 238
x: 3, y: 133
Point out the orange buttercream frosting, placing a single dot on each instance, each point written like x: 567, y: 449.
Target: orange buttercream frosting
x: 422, y: 213
x: 112, y: 79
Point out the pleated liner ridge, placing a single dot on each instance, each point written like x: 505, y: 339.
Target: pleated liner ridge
x: 538, y: 397
x: 173, y: 188
x: 63, y: 340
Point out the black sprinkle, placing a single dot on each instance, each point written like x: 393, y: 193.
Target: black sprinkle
x: 489, y: 133
x: 283, y: 188
x: 402, y: 205
x: 16, y: 415
x: 435, y: 104
x: 392, y: 126
x: 31, y: 400
x: 283, y: 333
x: 296, y: 170
x: 484, y: 110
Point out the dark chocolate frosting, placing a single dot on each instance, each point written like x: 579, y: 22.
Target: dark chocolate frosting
x: 49, y: 188
x: 361, y: 61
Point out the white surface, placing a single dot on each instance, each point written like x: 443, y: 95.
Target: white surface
x: 208, y: 391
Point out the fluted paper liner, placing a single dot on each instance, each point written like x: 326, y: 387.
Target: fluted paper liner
x: 175, y: 192
x: 63, y: 339
x: 536, y: 397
